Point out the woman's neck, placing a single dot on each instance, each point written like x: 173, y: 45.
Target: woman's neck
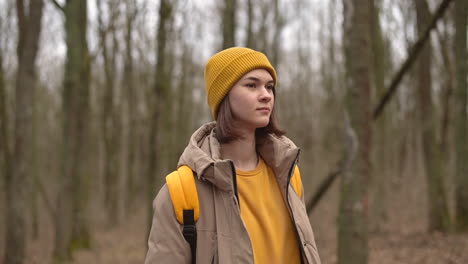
x: 242, y: 152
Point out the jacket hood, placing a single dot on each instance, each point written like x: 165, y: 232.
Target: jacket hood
x: 202, y: 155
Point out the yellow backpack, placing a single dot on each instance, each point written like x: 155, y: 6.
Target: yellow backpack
x: 184, y: 196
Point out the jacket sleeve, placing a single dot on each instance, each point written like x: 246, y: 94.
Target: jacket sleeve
x: 166, y: 244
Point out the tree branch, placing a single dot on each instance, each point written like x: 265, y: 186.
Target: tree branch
x: 323, y: 188
x: 58, y: 6
x: 413, y: 54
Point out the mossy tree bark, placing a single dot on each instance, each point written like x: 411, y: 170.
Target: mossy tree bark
x: 353, y: 214
x: 72, y: 224
x: 19, y: 175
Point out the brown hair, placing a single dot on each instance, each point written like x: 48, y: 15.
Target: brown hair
x: 225, y: 131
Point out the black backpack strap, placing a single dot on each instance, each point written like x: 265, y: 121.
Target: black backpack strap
x: 190, y: 233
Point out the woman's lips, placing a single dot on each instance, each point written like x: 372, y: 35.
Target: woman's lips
x: 264, y: 109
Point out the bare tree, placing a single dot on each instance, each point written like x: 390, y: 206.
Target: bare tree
x: 448, y: 74
x: 159, y: 94
x: 130, y: 102
x: 110, y: 124
x: 264, y: 32
x: 17, y: 183
x: 6, y: 153
x: 250, y: 42
x: 438, y: 209
x: 279, y: 23
x: 183, y: 90
x: 353, y: 215
x: 72, y: 226
x: 5, y: 149
x: 382, y: 153
x: 461, y: 124
x: 229, y: 23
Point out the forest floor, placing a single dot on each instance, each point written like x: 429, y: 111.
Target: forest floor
x: 418, y: 248
x: 125, y: 244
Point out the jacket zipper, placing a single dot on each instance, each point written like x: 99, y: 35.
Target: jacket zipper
x: 301, y: 245
x: 234, y: 182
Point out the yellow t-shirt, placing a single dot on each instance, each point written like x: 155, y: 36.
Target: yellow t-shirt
x: 266, y: 216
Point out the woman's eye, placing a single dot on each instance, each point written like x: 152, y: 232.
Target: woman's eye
x: 270, y: 87
x: 250, y: 85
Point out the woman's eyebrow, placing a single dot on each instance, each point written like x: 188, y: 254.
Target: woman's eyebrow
x: 252, y: 78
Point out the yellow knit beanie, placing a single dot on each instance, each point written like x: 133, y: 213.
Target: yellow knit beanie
x: 226, y: 67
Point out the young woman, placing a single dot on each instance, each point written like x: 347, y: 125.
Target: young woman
x: 249, y: 210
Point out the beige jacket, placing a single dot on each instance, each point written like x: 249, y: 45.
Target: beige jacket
x: 221, y: 234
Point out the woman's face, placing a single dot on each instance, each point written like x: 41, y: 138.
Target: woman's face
x: 252, y: 100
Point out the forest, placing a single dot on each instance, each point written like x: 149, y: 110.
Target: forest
x: 98, y: 99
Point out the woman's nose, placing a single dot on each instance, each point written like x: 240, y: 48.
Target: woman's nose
x: 266, y: 94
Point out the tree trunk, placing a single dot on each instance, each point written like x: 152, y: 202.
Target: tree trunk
x: 169, y: 114
x: 5, y: 149
x: 353, y: 214
x: 18, y: 183
x: 159, y: 95
x: 5, y: 145
x: 261, y: 36
x: 461, y: 123
x: 5, y: 153
x: 447, y: 90
x: 250, y: 42
x: 185, y: 101
x: 278, y: 29
x: 35, y: 171
x: 229, y: 23
x: 110, y: 124
x: 381, y: 140
x: 72, y: 229
x: 438, y: 209
x: 130, y: 104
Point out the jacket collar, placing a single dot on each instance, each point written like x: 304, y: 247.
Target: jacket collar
x: 202, y: 154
